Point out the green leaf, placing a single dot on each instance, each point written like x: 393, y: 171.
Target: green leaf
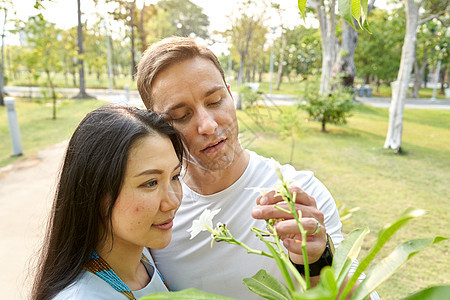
x: 365, y: 25
x: 281, y: 265
x: 432, y: 293
x: 364, y: 16
x: 386, y: 267
x: 302, y: 8
x: 383, y: 236
x: 267, y: 286
x: 347, y: 252
x: 345, y: 10
x: 356, y: 10
x: 328, y: 280
x: 318, y: 292
x: 187, y: 294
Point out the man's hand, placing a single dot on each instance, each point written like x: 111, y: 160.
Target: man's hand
x: 287, y: 227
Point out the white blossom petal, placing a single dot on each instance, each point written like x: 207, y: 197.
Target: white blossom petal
x: 203, y: 223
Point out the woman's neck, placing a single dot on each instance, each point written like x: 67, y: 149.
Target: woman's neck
x: 126, y: 263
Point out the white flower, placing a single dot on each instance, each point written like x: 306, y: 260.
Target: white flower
x: 276, y: 166
x: 203, y: 223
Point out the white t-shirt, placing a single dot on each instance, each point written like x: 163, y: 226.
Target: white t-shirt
x: 91, y: 287
x: 189, y: 263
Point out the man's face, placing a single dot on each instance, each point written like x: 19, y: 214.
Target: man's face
x: 192, y: 93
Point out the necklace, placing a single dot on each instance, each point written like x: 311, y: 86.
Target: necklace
x: 102, y: 269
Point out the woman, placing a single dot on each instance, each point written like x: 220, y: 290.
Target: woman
x: 117, y: 194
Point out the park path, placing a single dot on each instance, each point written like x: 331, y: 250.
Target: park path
x: 26, y: 194
x: 121, y: 96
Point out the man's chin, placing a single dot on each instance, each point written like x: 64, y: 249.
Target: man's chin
x: 211, y: 165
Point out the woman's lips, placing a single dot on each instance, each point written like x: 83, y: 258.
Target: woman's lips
x: 165, y: 226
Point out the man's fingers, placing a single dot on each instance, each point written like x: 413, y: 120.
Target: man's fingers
x: 271, y: 212
x: 301, y: 197
x: 287, y: 227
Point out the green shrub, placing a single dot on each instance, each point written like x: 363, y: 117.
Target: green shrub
x: 333, y: 107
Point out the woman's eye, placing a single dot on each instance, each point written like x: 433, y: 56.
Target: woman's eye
x: 151, y: 183
x: 176, y: 177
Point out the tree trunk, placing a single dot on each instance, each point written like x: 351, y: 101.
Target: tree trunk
x: 142, y: 32
x: 281, y: 62
x: 52, y: 88
x: 133, y: 59
x: 2, y: 65
x: 443, y: 74
x: 241, y: 69
x: 328, y: 38
x: 400, y: 86
x: 418, y: 74
x: 344, y: 67
x: 82, y: 93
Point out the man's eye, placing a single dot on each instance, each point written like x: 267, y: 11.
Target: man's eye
x: 180, y: 118
x: 176, y: 177
x: 216, y: 103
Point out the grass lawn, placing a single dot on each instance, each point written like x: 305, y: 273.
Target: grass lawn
x: 351, y: 162
x: 37, y: 128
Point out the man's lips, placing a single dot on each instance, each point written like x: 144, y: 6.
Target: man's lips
x: 213, y: 146
x: 166, y: 225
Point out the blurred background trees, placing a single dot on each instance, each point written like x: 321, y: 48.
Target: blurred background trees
x: 258, y: 45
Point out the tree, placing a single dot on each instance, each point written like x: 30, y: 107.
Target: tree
x: 187, y: 17
x: 378, y: 54
x: 430, y: 49
x: 333, y: 107
x: 325, y: 11
x: 159, y: 26
x: 349, y: 10
x: 242, y: 33
x: 45, y: 41
x: 344, y: 66
x: 400, y: 86
x: 5, y: 6
x: 82, y: 93
x: 126, y: 12
x: 303, y: 50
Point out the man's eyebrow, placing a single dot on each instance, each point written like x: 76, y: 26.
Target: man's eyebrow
x: 176, y: 106
x: 213, y: 90
x: 155, y: 171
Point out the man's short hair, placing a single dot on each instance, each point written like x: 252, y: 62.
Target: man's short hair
x: 165, y: 53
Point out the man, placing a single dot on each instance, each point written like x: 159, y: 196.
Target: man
x: 185, y: 82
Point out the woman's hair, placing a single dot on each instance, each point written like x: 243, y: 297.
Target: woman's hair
x: 162, y: 55
x: 90, y: 182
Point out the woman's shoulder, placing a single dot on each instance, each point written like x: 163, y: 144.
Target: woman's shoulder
x: 88, y: 286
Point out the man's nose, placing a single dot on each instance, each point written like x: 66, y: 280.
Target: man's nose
x: 206, y: 122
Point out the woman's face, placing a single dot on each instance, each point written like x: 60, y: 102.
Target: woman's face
x: 150, y: 196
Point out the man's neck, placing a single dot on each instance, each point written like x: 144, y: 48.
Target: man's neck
x: 207, y: 182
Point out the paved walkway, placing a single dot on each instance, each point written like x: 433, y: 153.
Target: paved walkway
x: 133, y: 98
x: 26, y: 195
